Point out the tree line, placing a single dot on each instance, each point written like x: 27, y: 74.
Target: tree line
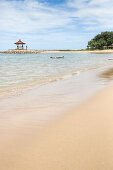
x: 101, y: 40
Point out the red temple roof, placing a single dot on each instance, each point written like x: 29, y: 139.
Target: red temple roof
x: 19, y: 42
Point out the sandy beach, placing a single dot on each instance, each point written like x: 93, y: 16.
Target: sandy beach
x: 77, y: 51
x: 56, y: 85
x: 30, y: 51
x: 81, y: 138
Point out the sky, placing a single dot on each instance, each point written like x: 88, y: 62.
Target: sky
x: 53, y: 24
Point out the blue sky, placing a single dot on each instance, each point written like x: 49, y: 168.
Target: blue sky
x: 53, y: 24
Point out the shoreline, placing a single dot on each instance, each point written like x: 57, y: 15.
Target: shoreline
x: 73, y: 135
x: 19, y: 90
x: 81, y: 139
x: 55, y: 51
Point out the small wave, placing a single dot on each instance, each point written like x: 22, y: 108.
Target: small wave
x: 70, y: 75
x: 77, y: 73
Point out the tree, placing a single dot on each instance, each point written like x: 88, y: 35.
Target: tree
x: 101, y: 40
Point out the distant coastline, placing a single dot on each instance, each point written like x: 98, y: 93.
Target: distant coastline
x: 56, y: 51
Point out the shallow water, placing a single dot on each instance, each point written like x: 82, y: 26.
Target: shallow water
x: 21, y: 71
x: 23, y: 117
x: 36, y: 107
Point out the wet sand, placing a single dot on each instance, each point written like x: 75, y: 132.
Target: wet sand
x: 108, y: 74
x: 81, y: 139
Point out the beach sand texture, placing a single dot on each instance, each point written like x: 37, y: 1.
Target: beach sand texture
x: 82, y: 139
x: 55, y: 51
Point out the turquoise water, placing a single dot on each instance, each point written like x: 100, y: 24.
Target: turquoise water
x: 21, y: 71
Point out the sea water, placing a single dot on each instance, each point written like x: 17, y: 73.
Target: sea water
x: 19, y: 72
x: 36, y: 89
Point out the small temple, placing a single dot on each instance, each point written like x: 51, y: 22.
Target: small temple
x: 21, y: 49
x: 20, y: 45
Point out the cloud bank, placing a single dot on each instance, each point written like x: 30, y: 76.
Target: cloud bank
x: 65, y: 24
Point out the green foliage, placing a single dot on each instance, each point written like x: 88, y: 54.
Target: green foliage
x: 101, y: 40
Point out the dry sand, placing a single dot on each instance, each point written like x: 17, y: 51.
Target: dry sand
x: 56, y: 51
x: 76, y: 51
x: 82, y: 139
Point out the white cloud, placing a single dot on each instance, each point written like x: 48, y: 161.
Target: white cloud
x: 40, y: 22
x: 30, y: 16
x: 76, y: 3
x: 93, y: 14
